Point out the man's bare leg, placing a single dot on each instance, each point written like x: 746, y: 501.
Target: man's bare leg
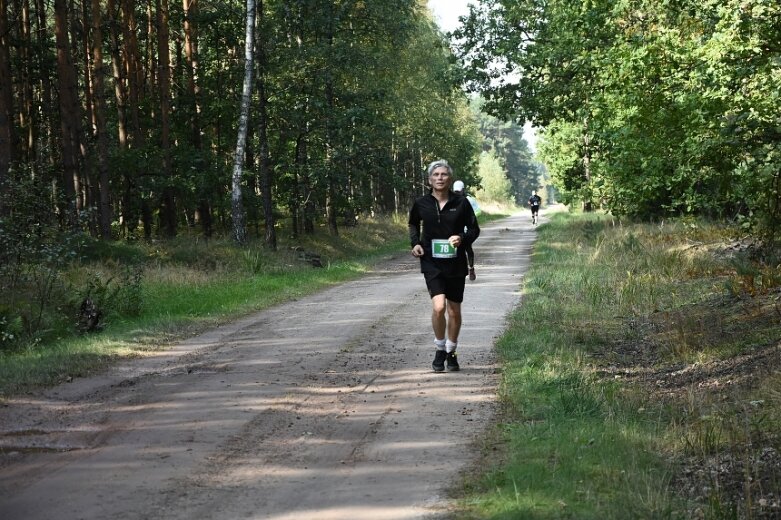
x: 453, y: 321
x: 438, y: 320
x: 439, y: 324
x: 453, y: 328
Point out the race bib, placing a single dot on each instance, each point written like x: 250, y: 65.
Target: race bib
x: 442, y: 249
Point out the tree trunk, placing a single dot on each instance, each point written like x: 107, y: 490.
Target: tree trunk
x: 588, y: 203
x: 305, y: 183
x: 168, y: 206
x: 87, y: 66
x: 133, y: 206
x: 252, y: 186
x: 48, y: 105
x: 104, y: 208
x: 330, y: 164
x: 6, y: 102
x: 191, y: 53
x: 193, y: 93
x: 270, y: 239
x: 127, y: 215
x: 135, y: 73
x: 237, y: 209
x: 69, y: 123
x: 27, y: 119
x: 80, y: 50
x: 117, y: 73
x: 151, y: 66
x: 295, y: 195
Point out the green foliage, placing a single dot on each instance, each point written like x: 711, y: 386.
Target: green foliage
x: 561, y: 150
x: 495, y: 186
x: 32, y: 254
x: 651, y: 108
x: 359, y: 102
x: 115, y: 295
x: 505, y: 141
x: 130, y: 297
x: 10, y: 327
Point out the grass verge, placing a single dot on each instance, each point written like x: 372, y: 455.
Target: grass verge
x: 639, y: 379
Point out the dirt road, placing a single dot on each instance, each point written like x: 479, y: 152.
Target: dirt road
x: 322, y: 408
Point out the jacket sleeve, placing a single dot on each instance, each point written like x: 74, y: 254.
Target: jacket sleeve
x: 413, y: 226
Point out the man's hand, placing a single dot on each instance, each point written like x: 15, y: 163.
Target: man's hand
x: 455, y: 240
x: 417, y: 251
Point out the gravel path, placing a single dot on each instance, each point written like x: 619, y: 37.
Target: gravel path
x: 321, y: 408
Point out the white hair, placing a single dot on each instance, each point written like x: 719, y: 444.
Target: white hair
x: 437, y: 164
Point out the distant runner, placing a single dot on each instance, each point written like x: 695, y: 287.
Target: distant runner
x: 534, y: 204
x: 449, y: 224
x: 458, y: 187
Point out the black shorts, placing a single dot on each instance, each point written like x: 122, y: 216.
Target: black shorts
x: 452, y: 288
x: 535, y: 210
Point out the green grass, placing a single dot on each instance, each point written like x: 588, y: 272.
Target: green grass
x: 603, y: 299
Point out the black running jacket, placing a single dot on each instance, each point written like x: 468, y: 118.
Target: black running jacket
x: 456, y: 218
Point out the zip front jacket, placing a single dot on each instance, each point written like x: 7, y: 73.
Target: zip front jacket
x: 456, y: 218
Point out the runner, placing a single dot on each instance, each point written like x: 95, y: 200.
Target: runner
x: 449, y: 224
x: 458, y: 187
x: 534, y: 203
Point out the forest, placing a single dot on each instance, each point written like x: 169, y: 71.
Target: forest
x: 146, y: 121
x: 648, y: 108
x: 120, y: 119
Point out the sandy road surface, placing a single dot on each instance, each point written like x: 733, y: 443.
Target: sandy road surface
x: 322, y: 408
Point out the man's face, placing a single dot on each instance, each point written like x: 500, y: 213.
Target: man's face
x: 439, y: 178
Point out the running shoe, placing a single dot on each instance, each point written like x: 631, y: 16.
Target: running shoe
x: 439, y: 361
x: 452, y: 362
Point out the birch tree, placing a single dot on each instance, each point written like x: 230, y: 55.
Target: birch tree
x: 237, y: 208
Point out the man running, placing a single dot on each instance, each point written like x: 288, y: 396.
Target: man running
x: 534, y: 204
x: 458, y: 187
x: 448, y: 225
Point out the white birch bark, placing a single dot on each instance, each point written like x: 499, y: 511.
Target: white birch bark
x: 237, y: 209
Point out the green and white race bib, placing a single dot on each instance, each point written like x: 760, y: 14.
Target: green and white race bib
x: 442, y: 249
